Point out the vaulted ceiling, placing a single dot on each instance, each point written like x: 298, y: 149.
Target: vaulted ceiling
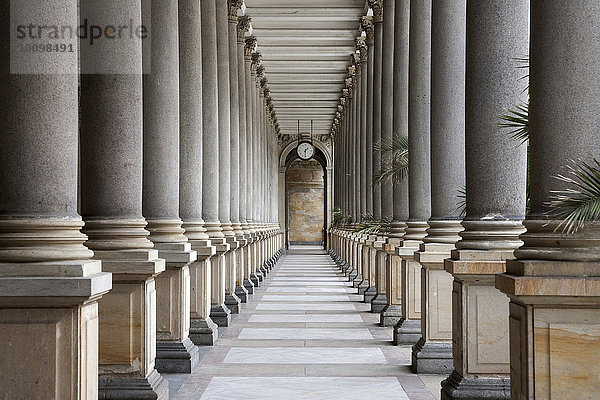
x: 306, y: 48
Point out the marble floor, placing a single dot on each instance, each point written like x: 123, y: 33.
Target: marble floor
x: 305, y: 334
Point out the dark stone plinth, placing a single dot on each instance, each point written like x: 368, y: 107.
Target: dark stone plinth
x: 176, y: 357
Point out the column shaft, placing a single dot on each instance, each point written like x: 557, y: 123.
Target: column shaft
x: 553, y: 319
x: 111, y: 204
x: 49, y: 285
x: 203, y: 331
x: 447, y: 176
x: 387, y: 101
x: 175, y: 351
x: 377, y: 82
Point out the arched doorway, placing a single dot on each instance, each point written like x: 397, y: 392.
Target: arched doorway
x: 305, y: 196
x: 306, y: 185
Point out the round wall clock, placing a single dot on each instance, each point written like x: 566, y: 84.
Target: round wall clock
x: 305, y: 150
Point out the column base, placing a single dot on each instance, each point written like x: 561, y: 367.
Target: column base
x: 154, y: 387
x: 345, y: 267
x: 260, y: 275
x: 352, y: 275
x: 432, y: 357
x: 203, y: 332
x: 370, y: 294
x: 378, y: 303
x: 242, y: 293
x: 233, y: 302
x: 357, y: 281
x: 255, y: 279
x: 390, y: 315
x: 176, y: 357
x: 264, y: 270
x: 363, y: 286
x: 249, y: 286
x: 456, y: 387
x: 407, y: 331
x: 221, y: 315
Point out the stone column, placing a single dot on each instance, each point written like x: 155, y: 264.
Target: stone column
x: 211, y: 132
x: 361, y: 44
x: 203, y: 331
x: 228, y: 135
x: 419, y: 177
x: 255, y: 274
x: 377, y: 6
x: 369, y: 265
x: 369, y: 29
x: 111, y: 205
x: 496, y: 202
x: 256, y: 132
x: 387, y: 99
x: 553, y: 284
x: 49, y: 285
x: 356, y: 140
x: 364, y: 189
x: 392, y: 314
x: 356, y: 150
x: 175, y: 352
x: 250, y: 44
x: 433, y: 352
x: 243, y: 27
x: 389, y: 315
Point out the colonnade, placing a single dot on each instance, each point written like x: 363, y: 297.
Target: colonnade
x: 497, y: 298
x: 138, y: 210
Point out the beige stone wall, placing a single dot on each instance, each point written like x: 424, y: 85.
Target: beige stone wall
x: 306, y: 197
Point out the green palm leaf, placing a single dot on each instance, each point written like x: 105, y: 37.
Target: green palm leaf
x: 579, y: 205
x: 370, y: 224
x: 394, y: 154
x: 462, y: 202
x: 336, y: 216
x: 517, y: 120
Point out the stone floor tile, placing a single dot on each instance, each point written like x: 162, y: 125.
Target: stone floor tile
x: 305, y: 334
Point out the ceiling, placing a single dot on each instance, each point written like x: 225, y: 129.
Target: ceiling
x: 306, y: 47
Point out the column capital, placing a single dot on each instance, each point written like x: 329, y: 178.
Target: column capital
x: 264, y: 90
x: 233, y: 7
x: 250, y: 45
x: 361, y: 47
x: 256, y: 60
x: 260, y: 73
x: 377, y: 6
x: 366, y: 25
x: 243, y: 26
x: 356, y: 59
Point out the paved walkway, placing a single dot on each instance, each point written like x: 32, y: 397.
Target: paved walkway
x: 305, y: 335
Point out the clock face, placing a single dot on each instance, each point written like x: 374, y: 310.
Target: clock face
x: 305, y: 150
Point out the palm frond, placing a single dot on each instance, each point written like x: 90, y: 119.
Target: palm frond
x: 517, y: 120
x: 462, y: 202
x: 336, y: 216
x: 370, y: 224
x: 523, y: 63
x: 578, y: 205
x: 394, y: 155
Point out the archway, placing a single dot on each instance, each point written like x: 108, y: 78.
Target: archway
x: 306, y: 186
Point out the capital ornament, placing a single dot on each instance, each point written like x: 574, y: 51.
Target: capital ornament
x: 243, y: 26
x: 361, y: 46
x: 256, y: 59
x: 377, y: 6
x: 366, y: 25
x: 234, y: 6
x: 260, y: 73
x: 264, y: 82
x: 249, y: 47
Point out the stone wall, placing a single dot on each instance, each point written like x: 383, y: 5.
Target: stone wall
x: 306, y: 196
